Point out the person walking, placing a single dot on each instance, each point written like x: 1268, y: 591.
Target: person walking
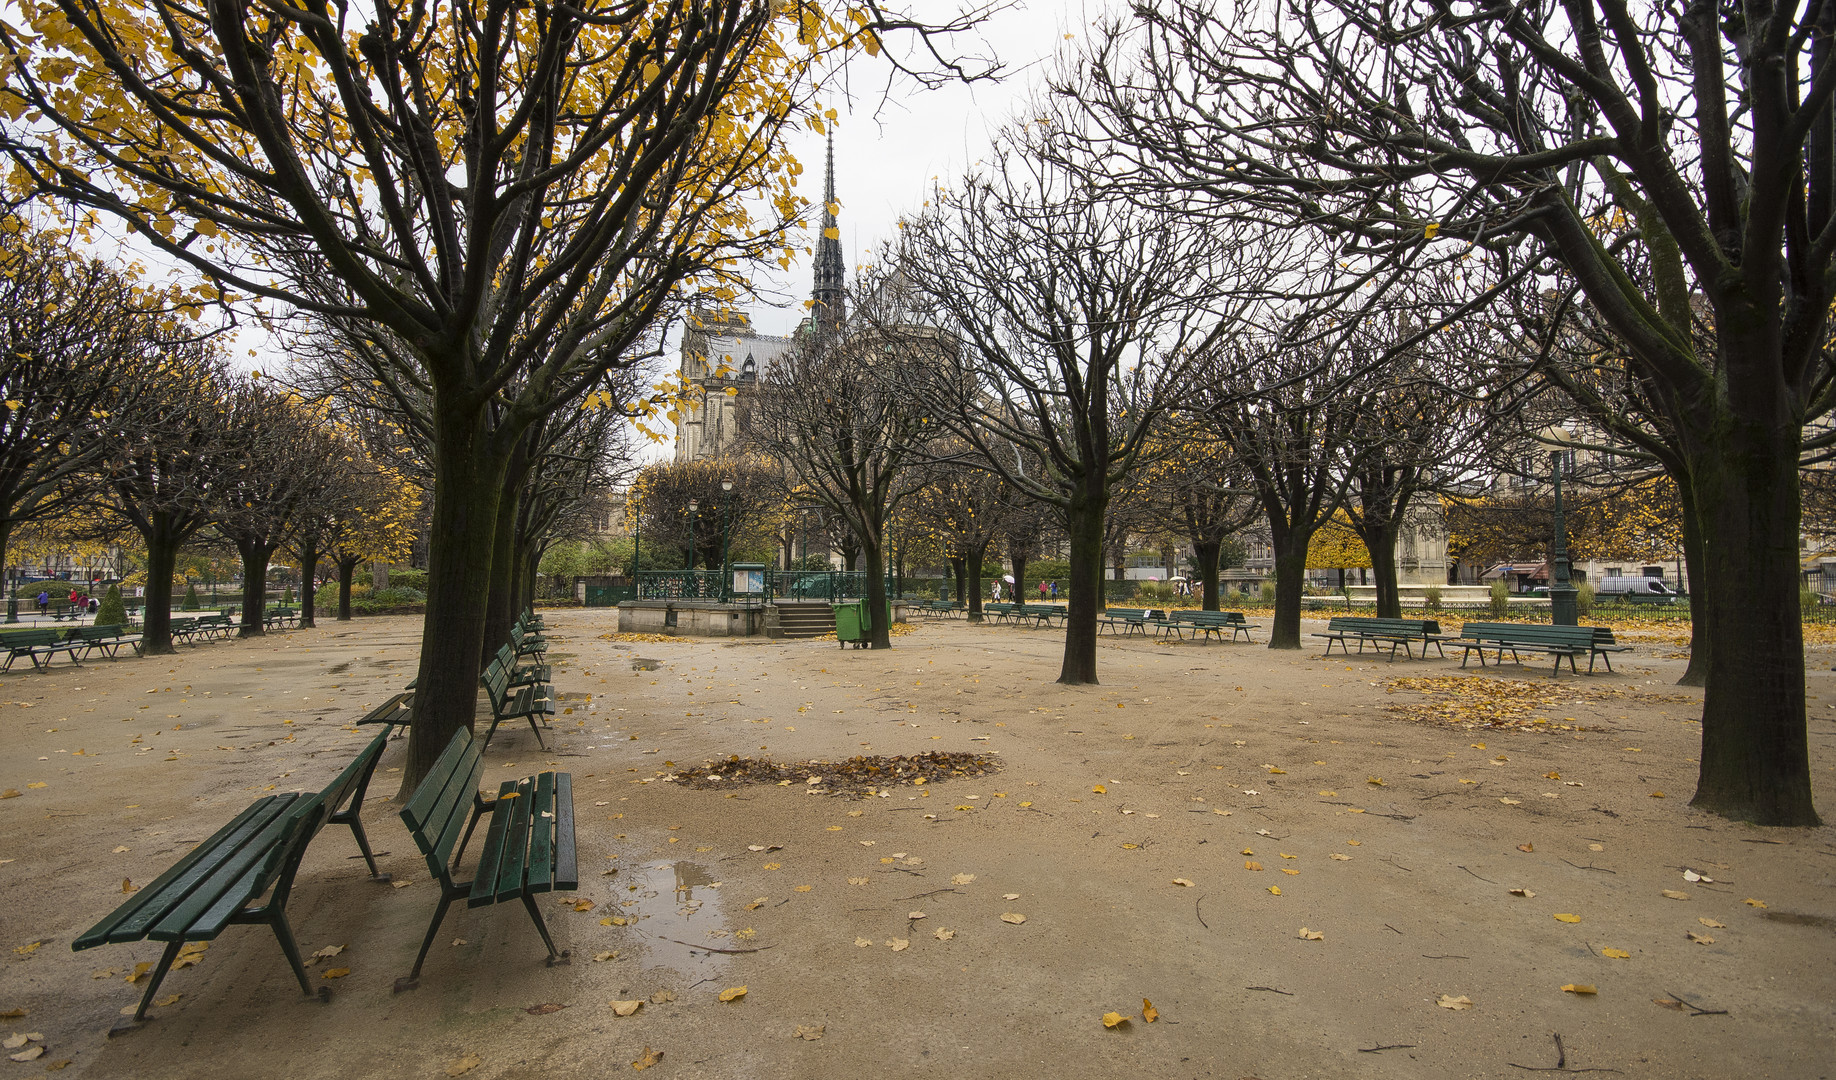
x: 1055, y: 589
x: 44, y: 601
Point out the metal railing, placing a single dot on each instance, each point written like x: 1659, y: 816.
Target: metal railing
x: 715, y: 586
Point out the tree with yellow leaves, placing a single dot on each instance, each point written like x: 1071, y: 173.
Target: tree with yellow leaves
x: 508, y: 192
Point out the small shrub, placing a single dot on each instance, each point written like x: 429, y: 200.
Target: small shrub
x: 1501, y: 598
x: 398, y: 594
x: 111, y: 611
x: 1584, y: 598
x: 1158, y: 591
x: 409, y: 579
x: 1268, y: 592
x: 1431, y: 598
x: 1808, y: 599
x: 191, y: 599
x: 287, y: 595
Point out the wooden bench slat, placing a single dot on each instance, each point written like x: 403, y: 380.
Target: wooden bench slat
x: 484, y: 881
x: 113, y: 928
x: 257, y: 852
x: 541, y: 870
x: 566, y: 874
x: 514, y: 859
x: 431, y: 802
x: 304, y: 814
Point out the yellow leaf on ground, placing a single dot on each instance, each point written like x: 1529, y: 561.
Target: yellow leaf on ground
x: 1148, y: 1011
x: 1711, y: 923
x: 1183, y: 882
x: 464, y: 1065
x: 1750, y: 902
x: 1700, y: 939
x: 1567, y: 918
x: 1522, y: 892
x: 808, y: 1032
x: 1310, y: 935
x: 662, y: 997
x: 1447, y: 1001
x: 1114, y: 1019
x: 1675, y: 895
x: 1337, y: 857
x: 1013, y: 917
x: 1285, y: 870
x: 1616, y: 954
x: 1657, y: 794
x: 898, y: 944
x: 650, y: 1057
x: 139, y: 969
x: 31, y: 947
x: 943, y: 934
x: 733, y: 993
x: 962, y: 879
x: 1100, y: 790
x: 336, y: 973
x: 1579, y: 988
x: 1375, y: 781
x: 626, y: 1008
x: 863, y: 943
x: 1252, y: 865
x: 31, y: 1053
x: 170, y: 999
x: 804, y: 888
x: 1275, y: 889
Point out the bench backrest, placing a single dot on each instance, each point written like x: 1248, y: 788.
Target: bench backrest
x: 1534, y: 633
x: 437, y: 811
x: 350, y: 785
x: 1372, y: 625
x: 506, y: 655
x: 1126, y: 612
x: 496, y: 679
x: 1603, y: 635
x: 20, y: 639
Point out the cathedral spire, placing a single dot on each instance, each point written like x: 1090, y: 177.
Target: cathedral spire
x: 830, y: 302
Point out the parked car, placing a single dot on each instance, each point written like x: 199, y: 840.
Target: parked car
x: 1646, y: 589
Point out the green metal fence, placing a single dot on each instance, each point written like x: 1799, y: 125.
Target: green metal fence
x: 712, y: 585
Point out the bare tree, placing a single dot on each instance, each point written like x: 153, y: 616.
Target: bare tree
x: 1697, y: 138
x: 835, y: 414
x: 1196, y: 489
x: 1078, y: 314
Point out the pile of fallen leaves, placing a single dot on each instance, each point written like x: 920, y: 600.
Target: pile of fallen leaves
x: 858, y: 775
x: 624, y: 636
x: 1502, y: 704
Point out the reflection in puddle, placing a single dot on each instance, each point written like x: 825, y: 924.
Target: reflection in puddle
x: 672, y: 903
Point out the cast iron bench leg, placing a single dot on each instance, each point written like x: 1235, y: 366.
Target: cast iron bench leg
x: 159, y: 975
x: 554, y: 957
x: 413, y: 978
x: 284, y: 931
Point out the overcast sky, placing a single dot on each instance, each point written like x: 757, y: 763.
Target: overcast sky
x: 887, y: 149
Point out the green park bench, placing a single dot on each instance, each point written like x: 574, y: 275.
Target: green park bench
x: 189, y: 629
x: 1042, y: 614
x: 1206, y: 623
x: 523, y: 674
x: 1130, y: 619
x: 396, y: 712
x: 1396, y: 633
x: 528, y: 847
x: 997, y: 612
x: 38, y: 646
x: 280, y: 617
x: 509, y: 701
x: 526, y: 643
x: 1556, y: 641
x: 107, y: 640
x: 216, y: 884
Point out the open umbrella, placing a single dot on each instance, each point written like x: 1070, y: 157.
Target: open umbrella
x: 1009, y: 578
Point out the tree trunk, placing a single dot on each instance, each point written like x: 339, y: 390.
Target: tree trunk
x: 879, y: 612
x: 1755, y: 754
x: 1084, y: 524
x: 1701, y: 642
x: 156, y: 617
x: 347, y: 569
x: 500, y: 604
x: 974, y: 564
x: 468, y: 484
x: 1380, y: 542
x: 1207, y: 554
x: 255, y: 558
x: 959, y: 572
x: 309, y: 562
x: 1290, y: 550
x: 1021, y: 595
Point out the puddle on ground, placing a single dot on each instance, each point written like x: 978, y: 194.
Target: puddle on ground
x: 674, y: 912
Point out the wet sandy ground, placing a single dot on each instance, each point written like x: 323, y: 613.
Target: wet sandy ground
x: 880, y: 920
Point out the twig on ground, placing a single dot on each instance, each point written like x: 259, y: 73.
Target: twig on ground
x: 1195, y: 913
x: 1271, y: 990
x: 1386, y: 1046
x: 1392, y: 929
x: 1487, y: 880
x: 1698, y: 1010
x: 1445, y: 956
x: 922, y: 895
x: 1590, y: 866
x: 710, y: 948
x: 1561, y: 1064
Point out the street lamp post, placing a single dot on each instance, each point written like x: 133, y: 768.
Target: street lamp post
x: 694, y: 516
x: 726, y: 574
x: 1562, y: 609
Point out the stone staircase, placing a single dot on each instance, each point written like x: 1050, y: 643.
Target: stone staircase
x: 805, y: 618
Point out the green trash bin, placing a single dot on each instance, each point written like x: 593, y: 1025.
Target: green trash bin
x: 851, y: 624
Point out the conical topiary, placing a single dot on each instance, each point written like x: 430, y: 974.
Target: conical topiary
x: 111, y: 611
x: 191, y: 598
